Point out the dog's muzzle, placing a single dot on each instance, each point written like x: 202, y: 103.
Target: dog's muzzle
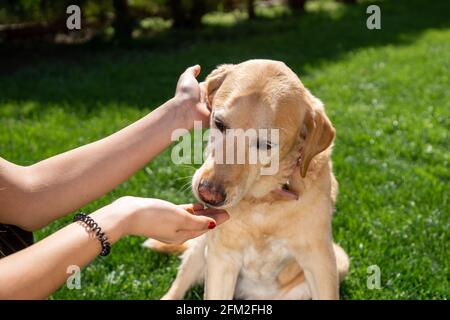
x: 212, y: 194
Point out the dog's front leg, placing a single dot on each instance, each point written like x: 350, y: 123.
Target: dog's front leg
x: 222, y: 271
x: 319, y: 264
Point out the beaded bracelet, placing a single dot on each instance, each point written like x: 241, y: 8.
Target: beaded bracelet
x: 94, y: 227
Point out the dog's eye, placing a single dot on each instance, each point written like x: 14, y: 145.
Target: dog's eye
x: 265, y: 144
x: 219, y: 124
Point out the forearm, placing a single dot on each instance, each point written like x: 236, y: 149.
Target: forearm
x: 36, y: 272
x: 63, y: 183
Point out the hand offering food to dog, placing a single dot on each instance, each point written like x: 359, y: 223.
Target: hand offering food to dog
x: 38, y: 194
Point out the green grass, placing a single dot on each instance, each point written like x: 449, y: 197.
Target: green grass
x: 387, y: 93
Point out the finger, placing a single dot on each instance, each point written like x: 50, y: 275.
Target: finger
x: 205, y: 112
x: 197, y: 70
x: 197, y: 223
x: 192, y: 207
x: 194, y: 70
x: 202, y: 86
x: 204, y: 99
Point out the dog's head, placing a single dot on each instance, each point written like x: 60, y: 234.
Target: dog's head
x: 255, y: 95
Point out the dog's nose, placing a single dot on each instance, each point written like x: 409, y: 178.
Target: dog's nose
x: 211, y: 193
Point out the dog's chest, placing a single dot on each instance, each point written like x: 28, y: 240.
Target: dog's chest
x: 260, y: 268
x: 264, y: 260
x: 261, y: 249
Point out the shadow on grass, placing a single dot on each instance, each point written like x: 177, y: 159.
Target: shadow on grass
x: 84, y: 78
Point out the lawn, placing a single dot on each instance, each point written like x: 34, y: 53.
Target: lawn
x: 386, y: 91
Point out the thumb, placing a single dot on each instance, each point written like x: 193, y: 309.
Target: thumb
x: 198, y: 223
x: 218, y: 215
x: 194, y: 70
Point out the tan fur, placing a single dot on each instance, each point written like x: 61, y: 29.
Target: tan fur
x: 270, y: 248
x: 165, y: 247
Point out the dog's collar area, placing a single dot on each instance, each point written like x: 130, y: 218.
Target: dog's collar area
x: 285, y: 193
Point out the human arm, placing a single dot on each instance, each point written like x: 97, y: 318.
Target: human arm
x: 33, y: 196
x: 39, y: 270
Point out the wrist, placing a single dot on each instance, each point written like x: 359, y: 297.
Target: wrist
x: 183, y: 111
x: 113, y: 220
x: 126, y: 215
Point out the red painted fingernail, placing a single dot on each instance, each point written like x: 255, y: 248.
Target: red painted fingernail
x: 211, y: 225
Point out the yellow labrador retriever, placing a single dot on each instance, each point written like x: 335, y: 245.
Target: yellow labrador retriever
x: 278, y: 242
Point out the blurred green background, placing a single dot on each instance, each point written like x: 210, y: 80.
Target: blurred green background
x: 386, y: 91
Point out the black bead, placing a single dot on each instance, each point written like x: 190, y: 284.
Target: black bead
x: 94, y: 227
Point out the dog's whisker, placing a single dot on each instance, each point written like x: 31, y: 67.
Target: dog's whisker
x: 185, y: 187
x: 187, y: 166
x: 182, y: 178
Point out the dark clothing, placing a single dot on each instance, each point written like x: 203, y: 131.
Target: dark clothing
x: 13, y: 239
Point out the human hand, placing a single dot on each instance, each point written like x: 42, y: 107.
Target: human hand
x: 191, y: 97
x: 167, y: 222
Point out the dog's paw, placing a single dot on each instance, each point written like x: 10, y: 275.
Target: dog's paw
x: 169, y: 296
x: 164, y: 247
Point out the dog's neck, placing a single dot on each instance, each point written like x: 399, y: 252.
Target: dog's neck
x: 286, y: 185
x: 291, y: 188
x: 285, y: 192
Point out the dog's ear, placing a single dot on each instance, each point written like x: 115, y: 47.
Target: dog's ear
x: 318, y: 133
x: 214, y: 80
